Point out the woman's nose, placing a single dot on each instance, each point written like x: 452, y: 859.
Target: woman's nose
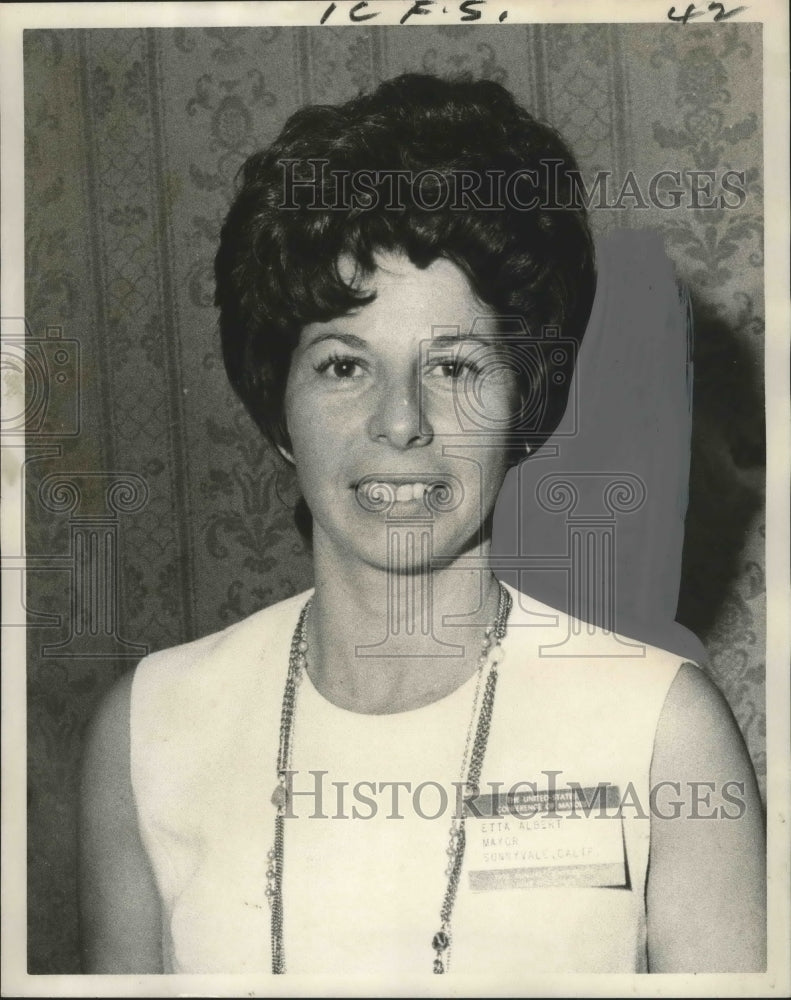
x: 399, y: 416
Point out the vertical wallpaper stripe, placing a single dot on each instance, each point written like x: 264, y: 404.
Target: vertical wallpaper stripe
x: 536, y: 56
x: 170, y: 335
x: 93, y: 219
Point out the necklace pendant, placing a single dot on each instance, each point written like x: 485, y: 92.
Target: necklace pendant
x: 440, y: 942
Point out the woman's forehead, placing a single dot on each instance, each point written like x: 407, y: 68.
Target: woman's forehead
x: 439, y: 294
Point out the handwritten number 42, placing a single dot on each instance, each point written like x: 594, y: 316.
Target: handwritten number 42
x: 690, y: 12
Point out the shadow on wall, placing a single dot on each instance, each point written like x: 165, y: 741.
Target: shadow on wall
x: 727, y: 474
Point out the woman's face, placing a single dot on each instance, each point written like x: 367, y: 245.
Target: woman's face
x: 397, y: 410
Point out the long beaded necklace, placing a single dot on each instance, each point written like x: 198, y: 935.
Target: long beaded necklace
x: 472, y: 762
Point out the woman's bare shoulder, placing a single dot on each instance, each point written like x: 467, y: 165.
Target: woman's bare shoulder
x: 697, y: 730
x: 707, y: 877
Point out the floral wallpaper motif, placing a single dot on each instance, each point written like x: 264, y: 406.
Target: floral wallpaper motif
x: 133, y: 139
x: 710, y: 137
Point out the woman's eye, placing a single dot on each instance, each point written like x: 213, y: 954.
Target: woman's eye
x: 452, y: 369
x: 342, y: 369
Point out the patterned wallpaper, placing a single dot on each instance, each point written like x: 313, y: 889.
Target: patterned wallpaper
x: 133, y: 138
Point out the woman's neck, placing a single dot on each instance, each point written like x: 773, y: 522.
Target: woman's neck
x: 382, y: 642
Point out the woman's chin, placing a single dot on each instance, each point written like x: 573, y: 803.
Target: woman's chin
x: 402, y: 547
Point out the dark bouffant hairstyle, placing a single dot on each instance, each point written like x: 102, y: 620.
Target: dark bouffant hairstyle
x: 277, y: 265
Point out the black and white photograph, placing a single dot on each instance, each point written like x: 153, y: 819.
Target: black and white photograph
x: 395, y: 473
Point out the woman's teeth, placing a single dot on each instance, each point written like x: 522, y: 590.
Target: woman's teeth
x: 410, y: 491
x: 403, y: 493
x: 439, y: 494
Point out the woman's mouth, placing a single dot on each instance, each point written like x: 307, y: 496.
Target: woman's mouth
x: 437, y: 493
x: 402, y: 493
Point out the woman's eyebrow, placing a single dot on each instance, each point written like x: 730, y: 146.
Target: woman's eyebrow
x: 448, y: 339
x: 345, y: 338
x: 443, y: 340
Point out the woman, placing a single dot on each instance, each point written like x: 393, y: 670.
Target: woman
x: 397, y: 772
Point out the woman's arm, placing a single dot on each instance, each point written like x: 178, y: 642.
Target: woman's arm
x: 706, y: 893
x: 119, y: 905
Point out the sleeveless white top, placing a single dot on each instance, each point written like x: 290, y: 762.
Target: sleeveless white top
x: 363, y: 886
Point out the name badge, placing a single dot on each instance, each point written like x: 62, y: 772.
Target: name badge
x: 557, y: 837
